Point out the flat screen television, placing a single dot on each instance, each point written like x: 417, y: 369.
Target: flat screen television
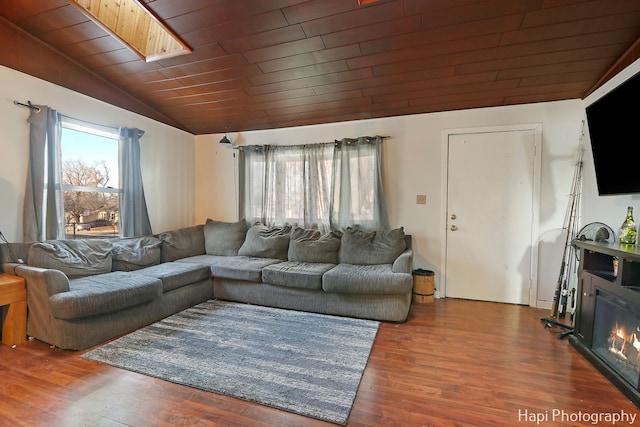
x: 613, y: 120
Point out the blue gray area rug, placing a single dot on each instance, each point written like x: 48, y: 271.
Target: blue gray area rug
x: 305, y: 363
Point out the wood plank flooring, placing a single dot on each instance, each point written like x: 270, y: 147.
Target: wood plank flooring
x: 453, y: 363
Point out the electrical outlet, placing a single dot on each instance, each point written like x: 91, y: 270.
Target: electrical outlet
x: 421, y: 199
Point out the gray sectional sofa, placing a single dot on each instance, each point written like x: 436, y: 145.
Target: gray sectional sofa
x: 81, y: 293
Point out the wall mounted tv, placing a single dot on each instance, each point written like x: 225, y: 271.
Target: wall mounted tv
x: 614, y: 130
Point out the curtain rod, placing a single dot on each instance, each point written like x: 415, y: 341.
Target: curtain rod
x: 335, y: 142
x: 361, y: 137
x: 29, y: 105
x: 37, y: 109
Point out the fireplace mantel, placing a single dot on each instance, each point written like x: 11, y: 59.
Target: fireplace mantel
x: 607, y: 270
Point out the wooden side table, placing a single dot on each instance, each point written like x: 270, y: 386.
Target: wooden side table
x: 13, y: 293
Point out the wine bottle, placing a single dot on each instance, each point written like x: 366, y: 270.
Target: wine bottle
x: 628, y: 232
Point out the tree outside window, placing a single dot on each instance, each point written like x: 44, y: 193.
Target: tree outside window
x: 90, y: 180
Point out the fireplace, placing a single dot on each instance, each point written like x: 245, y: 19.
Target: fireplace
x: 607, y: 315
x: 616, y: 336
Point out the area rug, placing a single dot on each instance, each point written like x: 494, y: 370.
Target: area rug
x: 305, y: 363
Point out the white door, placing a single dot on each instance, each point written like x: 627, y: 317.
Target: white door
x: 491, y: 208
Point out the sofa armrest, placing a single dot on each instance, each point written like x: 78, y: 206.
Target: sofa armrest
x: 42, y: 281
x: 10, y: 268
x: 403, y: 263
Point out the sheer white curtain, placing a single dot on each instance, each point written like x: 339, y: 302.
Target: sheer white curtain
x: 43, y: 213
x: 323, y: 186
x: 357, y: 191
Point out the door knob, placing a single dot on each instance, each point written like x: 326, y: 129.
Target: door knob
x: 453, y: 228
x: 453, y: 216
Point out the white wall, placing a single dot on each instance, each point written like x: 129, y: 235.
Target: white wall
x: 413, y: 164
x: 167, y: 153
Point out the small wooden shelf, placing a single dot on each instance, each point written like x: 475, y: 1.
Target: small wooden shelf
x: 13, y: 295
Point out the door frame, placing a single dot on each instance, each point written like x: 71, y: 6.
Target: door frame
x: 537, y: 168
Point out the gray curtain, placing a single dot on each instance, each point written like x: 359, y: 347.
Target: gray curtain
x: 324, y: 186
x: 242, y: 185
x: 43, y: 213
x: 134, y: 217
x: 357, y: 196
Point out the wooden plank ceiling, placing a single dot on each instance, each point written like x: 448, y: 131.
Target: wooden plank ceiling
x: 261, y: 64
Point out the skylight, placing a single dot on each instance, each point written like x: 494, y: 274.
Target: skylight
x: 134, y: 25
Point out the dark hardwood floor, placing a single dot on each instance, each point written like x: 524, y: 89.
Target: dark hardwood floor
x: 453, y: 363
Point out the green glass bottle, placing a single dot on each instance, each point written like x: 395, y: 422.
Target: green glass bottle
x: 628, y: 231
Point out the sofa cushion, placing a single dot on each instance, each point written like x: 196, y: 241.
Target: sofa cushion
x: 208, y: 260
x: 233, y: 267
x: 75, y: 258
x: 14, y: 252
x: 292, y: 274
x: 104, y: 293
x: 311, y: 246
x: 266, y: 242
x: 224, y: 238
x: 241, y: 268
x: 371, y: 247
x: 134, y: 253
x: 366, y: 279
x: 182, y: 243
x: 176, y: 274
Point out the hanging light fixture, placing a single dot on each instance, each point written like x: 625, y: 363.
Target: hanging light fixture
x: 225, y: 140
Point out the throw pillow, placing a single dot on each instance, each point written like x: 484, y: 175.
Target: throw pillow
x: 75, y: 258
x: 182, y: 243
x: 311, y: 246
x: 371, y: 247
x: 134, y: 253
x: 266, y: 242
x: 224, y: 238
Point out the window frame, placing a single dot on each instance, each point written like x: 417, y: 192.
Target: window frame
x: 94, y: 130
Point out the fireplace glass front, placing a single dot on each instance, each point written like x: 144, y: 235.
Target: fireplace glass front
x: 616, y: 336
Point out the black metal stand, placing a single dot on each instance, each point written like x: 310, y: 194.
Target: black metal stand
x: 549, y: 322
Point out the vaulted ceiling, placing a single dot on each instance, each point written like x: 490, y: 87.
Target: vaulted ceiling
x: 262, y: 64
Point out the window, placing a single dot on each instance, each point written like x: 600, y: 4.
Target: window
x: 111, y: 198
x: 89, y: 157
x: 324, y: 186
